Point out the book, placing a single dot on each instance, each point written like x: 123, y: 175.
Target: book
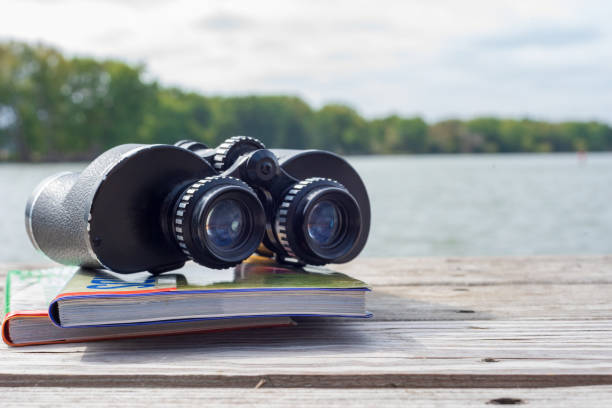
x: 30, y: 297
x: 27, y: 322
x: 194, y: 292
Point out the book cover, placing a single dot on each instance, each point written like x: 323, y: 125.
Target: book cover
x: 99, y: 288
x: 29, y: 292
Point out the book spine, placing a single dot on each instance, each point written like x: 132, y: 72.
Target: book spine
x: 54, y: 313
x: 5, y: 331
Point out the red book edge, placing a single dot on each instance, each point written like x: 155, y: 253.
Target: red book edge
x: 40, y: 313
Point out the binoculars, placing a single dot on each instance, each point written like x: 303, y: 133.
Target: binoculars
x: 154, y: 207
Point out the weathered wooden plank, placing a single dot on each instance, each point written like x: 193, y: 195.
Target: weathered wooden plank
x: 468, y: 271
x: 592, y: 397
x: 465, y: 271
x: 369, y: 354
x: 492, y: 302
x: 539, y: 322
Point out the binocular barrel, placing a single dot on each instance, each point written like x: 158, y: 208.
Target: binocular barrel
x: 153, y: 207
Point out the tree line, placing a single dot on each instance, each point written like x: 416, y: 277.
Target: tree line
x: 54, y: 107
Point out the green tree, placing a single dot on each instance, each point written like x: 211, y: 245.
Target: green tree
x: 58, y: 108
x: 30, y: 84
x: 175, y: 115
x: 340, y: 128
x: 279, y: 121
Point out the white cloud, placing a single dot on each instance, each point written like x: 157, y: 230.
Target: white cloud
x: 548, y: 59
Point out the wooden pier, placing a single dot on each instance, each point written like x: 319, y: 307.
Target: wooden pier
x: 446, y: 332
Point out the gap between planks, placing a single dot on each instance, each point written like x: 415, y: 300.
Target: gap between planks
x: 306, y: 381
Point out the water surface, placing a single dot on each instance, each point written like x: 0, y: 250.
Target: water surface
x: 431, y: 205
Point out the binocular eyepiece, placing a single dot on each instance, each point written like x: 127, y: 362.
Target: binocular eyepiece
x: 153, y: 207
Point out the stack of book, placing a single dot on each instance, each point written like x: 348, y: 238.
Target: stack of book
x: 72, y: 305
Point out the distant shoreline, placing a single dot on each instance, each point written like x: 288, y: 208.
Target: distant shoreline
x: 84, y: 162
x: 55, y: 108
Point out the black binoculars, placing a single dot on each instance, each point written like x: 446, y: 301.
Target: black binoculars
x: 153, y: 207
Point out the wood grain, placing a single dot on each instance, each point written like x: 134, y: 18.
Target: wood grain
x: 504, y: 324
x: 546, y: 301
x: 592, y: 397
x: 334, y: 350
x: 471, y: 271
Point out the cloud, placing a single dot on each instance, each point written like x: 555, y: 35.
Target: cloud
x: 224, y: 22
x: 545, y: 58
x: 543, y: 35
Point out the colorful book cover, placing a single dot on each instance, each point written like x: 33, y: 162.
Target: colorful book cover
x: 28, y: 294
x: 194, y: 279
x: 31, y: 291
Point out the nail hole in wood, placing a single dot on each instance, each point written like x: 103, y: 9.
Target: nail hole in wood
x: 505, y: 401
x: 489, y: 360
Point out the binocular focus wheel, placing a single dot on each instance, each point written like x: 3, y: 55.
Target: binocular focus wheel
x: 233, y: 148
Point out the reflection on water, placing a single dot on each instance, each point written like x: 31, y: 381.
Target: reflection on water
x: 432, y: 205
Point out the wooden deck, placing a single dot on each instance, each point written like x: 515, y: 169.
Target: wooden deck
x: 446, y: 332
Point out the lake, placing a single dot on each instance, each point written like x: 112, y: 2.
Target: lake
x: 520, y: 204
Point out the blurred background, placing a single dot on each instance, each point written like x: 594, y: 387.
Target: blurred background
x: 479, y: 127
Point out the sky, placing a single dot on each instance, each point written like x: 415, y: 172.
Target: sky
x: 549, y: 60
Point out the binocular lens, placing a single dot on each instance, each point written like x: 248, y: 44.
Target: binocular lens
x: 225, y: 223
x: 323, y: 223
x: 218, y: 221
x: 318, y: 221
